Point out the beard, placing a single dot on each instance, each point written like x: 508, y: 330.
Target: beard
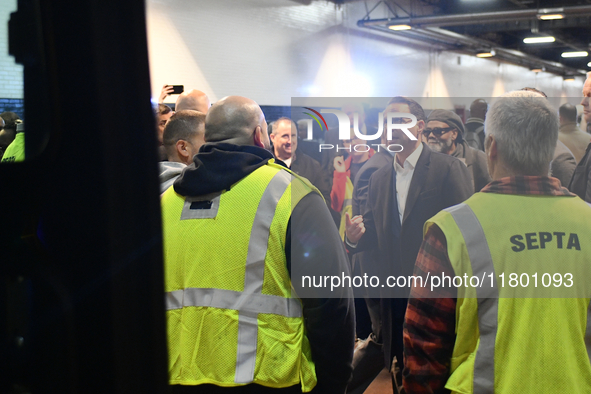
x: 441, y: 146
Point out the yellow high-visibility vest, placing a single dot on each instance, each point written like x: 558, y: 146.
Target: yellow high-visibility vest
x: 508, y: 338
x: 231, y: 318
x: 347, y: 208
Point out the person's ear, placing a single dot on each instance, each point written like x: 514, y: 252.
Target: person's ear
x: 181, y: 148
x: 454, y: 135
x: 494, y: 153
x: 421, y: 127
x: 488, y: 145
x: 258, y: 138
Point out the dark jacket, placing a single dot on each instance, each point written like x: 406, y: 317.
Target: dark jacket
x: 361, y: 181
x: 475, y: 160
x: 563, y: 163
x: 474, y: 133
x: 305, y: 166
x: 311, y: 241
x: 439, y: 181
x: 360, y: 191
x: 310, y: 148
x: 580, y: 184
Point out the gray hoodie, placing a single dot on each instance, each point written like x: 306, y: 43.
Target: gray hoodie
x: 169, y: 172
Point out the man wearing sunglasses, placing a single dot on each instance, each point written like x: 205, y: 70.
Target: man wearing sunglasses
x: 444, y: 134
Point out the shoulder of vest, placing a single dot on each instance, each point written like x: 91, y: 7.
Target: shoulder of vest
x: 168, y: 194
x: 307, y: 185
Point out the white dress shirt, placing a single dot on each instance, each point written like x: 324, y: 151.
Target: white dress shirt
x: 404, y: 177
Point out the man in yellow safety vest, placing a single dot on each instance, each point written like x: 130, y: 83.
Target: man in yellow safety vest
x: 505, y: 299
x: 236, y: 226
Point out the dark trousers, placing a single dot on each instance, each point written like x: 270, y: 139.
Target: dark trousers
x: 368, y: 359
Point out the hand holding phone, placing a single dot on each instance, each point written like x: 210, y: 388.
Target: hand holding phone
x: 177, y: 89
x: 167, y: 90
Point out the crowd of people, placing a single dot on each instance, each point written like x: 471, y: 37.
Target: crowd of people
x: 12, y: 137
x: 248, y: 206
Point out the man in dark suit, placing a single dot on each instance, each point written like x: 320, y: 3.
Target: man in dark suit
x: 368, y: 357
x: 580, y: 183
x: 400, y: 200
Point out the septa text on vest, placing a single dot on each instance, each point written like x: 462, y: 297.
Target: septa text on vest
x: 541, y: 239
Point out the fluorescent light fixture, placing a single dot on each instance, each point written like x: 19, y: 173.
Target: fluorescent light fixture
x: 575, y: 54
x: 549, y: 17
x: 399, y: 27
x: 538, y: 40
x: 490, y: 53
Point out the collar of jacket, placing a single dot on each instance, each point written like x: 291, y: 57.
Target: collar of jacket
x: 218, y: 166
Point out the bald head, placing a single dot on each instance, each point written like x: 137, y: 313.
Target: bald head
x: 194, y: 99
x: 236, y: 120
x: 478, y: 109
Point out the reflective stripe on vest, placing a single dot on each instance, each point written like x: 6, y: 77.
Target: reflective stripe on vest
x: 347, y: 207
x: 588, y: 331
x: 229, y: 299
x: 488, y: 296
x: 250, y: 302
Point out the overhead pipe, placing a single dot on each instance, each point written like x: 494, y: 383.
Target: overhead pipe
x: 506, y: 54
x: 475, y: 18
x: 469, y: 45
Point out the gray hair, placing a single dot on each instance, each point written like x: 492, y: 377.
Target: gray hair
x: 525, y: 128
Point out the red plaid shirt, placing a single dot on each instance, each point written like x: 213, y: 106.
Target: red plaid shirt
x: 429, y: 329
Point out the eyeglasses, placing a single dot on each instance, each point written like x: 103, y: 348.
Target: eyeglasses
x: 437, y: 131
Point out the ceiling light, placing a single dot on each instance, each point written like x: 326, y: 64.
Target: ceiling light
x: 549, y: 17
x: 399, y: 27
x: 490, y: 53
x: 538, y: 40
x: 569, y: 78
x: 537, y: 69
x: 575, y: 54
x: 589, y: 64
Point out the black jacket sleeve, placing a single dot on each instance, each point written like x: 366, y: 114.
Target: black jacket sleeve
x: 580, y: 183
x: 360, y: 191
x: 313, y: 247
x: 458, y: 186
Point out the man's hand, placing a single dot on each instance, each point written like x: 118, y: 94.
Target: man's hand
x: 354, y: 228
x: 166, y: 91
x: 339, y: 164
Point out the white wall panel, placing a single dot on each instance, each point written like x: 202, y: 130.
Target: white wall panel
x: 271, y: 50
